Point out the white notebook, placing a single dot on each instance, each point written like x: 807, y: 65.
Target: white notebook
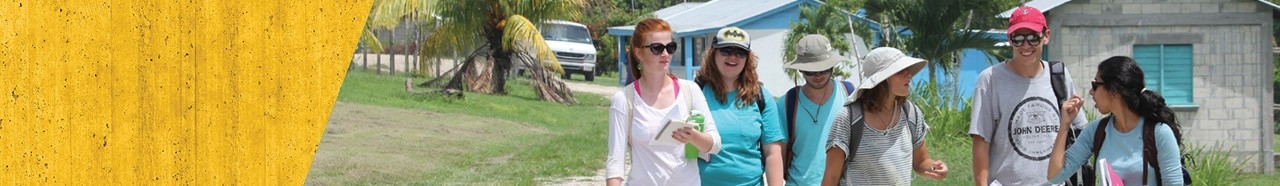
x: 665, y: 135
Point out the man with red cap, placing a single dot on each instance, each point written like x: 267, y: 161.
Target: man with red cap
x: 1015, y: 117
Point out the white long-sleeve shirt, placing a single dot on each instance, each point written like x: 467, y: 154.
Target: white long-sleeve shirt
x: 654, y: 163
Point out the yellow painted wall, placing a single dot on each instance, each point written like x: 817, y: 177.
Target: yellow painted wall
x: 193, y: 92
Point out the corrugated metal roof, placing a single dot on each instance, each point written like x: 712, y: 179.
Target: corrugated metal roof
x: 1045, y: 5
x: 668, y: 11
x: 712, y: 15
x: 1268, y: 3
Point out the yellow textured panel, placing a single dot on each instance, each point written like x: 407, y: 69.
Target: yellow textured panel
x: 167, y: 93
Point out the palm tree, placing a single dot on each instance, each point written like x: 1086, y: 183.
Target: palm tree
x: 940, y: 29
x: 499, y: 32
x: 506, y: 29
x: 825, y: 20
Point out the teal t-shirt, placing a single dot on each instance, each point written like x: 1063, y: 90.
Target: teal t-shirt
x: 743, y: 131
x: 813, y: 124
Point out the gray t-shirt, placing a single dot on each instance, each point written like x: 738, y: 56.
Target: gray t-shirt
x: 1019, y: 117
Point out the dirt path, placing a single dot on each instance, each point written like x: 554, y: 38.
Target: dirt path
x: 592, y: 88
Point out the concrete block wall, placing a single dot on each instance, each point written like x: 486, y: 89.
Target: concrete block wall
x: 1232, y: 56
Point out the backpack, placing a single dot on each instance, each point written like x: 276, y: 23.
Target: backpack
x: 759, y: 102
x: 1057, y: 76
x: 1149, y: 152
x: 855, y: 136
x: 792, y: 98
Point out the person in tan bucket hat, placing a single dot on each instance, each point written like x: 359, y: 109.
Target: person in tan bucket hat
x: 881, y: 131
x: 807, y: 110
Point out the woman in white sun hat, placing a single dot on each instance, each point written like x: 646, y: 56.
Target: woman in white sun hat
x: 878, y: 136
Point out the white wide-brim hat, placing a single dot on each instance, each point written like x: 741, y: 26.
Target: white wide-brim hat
x: 880, y: 64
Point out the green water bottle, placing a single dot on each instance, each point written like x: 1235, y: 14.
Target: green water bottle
x: 691, y: 151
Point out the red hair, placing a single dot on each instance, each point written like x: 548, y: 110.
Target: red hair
x: 645, y: 26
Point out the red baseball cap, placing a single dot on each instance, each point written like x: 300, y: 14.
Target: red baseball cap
x: 1026, y: 17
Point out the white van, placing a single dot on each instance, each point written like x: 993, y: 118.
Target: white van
x: 572, y: 45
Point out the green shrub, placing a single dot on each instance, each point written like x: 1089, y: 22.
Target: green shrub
x: 946, y: 113
x: 1208, y: 167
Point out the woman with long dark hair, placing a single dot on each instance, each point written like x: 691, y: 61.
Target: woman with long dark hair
x: 1139, y: 137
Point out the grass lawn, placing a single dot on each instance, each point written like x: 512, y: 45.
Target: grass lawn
x: 1256, y: 179
x: 605, y: 80
x: 482, y: 139
x: 958, y: 156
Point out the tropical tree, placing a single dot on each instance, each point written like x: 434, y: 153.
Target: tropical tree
x: 940, y: 29
x: 495, y: 34
x: 823, y: 20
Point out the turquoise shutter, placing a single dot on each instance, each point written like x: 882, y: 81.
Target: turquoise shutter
x: 1177, y: 81
x: 1168, y: 70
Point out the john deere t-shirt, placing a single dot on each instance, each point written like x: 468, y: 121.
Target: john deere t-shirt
x: 1019, y: 117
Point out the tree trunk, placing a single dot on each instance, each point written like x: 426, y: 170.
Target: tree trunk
x: 365, y: 65
x: 392, y: 68
x: 933, y: 77
x: 549, y: 88
x: 460, y: 70
x: 501, y: 61
x: 377, y: 66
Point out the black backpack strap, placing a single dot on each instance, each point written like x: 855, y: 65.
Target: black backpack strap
x: 855, y: 135
x: 1057, y: 74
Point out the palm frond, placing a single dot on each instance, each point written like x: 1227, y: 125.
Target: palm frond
x: 523, y: 36
x: 823, y: 20
x: 369, y: 41
x: 386, y: 14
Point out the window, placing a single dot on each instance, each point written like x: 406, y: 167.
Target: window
x: 1169, y: 71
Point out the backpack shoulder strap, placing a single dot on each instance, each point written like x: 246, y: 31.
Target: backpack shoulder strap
x: 688, y: 98
x: 848, y: 88
x: 855, y: 134
x: 789, y: 153
x: 1057, y: 74
x: 908, y: 110
x: 791, y: 97
x: 630, y: 93
x: 760, y: 101
x: 1100, y: 134
x: 1149, y: 151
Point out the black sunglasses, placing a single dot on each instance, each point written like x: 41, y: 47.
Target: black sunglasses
x: 808, y: 73
x: 657, y: 48
x: 735, y: 52
x: 1094, y: 85
x: 1019, y: 40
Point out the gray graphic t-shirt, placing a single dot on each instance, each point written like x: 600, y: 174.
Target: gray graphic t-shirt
x: 1019, y: 117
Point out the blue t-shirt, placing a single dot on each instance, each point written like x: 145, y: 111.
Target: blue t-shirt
x: 743, y: 131
x: 813, y: 124
x: 1124, y: 152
